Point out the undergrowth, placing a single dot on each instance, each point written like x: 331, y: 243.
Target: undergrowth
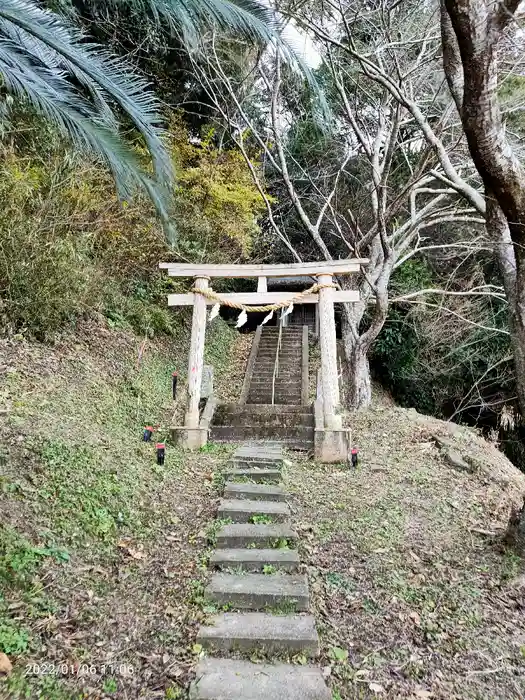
x: 76, y: 480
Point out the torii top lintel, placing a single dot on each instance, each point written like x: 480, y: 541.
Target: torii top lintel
x: 311, y: 269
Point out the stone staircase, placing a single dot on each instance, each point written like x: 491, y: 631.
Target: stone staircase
x: 288, y: 381
x: 287, y: 419
x: 257, y: 571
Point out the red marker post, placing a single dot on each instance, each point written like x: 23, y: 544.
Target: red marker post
x: 354, y: 457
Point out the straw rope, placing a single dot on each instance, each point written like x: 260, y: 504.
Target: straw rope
x: 210, y: 294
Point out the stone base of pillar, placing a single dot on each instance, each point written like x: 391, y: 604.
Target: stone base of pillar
x: 331, y: 446
x: 189, y: 438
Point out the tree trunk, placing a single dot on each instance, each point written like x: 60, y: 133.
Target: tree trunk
x: 512, y: 273
x: 358, y: 385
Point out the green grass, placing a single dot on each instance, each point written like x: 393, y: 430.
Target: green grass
x: 81, y: 480
x: 261, y: 519
x: 214, y: 528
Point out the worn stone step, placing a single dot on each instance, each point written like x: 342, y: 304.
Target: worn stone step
x: 248, y: 631
x: 266, y: 375
x: 243, y: 432
x: 244, y: 511
x: 246, y: 535
x: 231, y: 679
x: 278, y: 398
x: 264, y: 462
x: 239, y: 409
x: 262, y: 382
x: 288, y: 592
x: 260, y: 476
x: 239, y: 463
x: 260, y: 450
x: 305, y: 420
x: 254, y: 492
x: 254, y: 560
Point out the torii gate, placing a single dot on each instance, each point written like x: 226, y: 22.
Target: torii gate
x: 326, y: 297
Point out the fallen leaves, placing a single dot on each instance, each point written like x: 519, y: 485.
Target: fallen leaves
x: 376, y: 688
x: 134, y: 552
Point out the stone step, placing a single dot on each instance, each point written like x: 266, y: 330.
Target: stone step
x: 260, y: 450
x: 245, y: 432
x: 265, y: 375
x: 288, y: 398
x: 288, y: 444
x: 298, y: 420
x: 285, y: 358
x: 260, y: 476
x: 292, y: 634
x: 245, y: 511
x: 239, y: 409
x: 240, y: 463
x: 230, y: 679
x: 254, y: 492
x: 246, y: 535
x: 280, y: 382
x: 254, y: 560
x: 288, y: 592
x: 279, y: 400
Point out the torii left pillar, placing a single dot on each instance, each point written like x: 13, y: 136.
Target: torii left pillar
x: 194, y: 436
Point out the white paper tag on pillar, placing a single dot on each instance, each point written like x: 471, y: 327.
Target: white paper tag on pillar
x: 267, y: 318
x: 287, y: 311
x: 243, y: 317
x: 214, y: 312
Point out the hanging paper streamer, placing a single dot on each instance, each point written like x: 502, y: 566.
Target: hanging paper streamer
x: 267, y: 318
x: 287, y: 311
x: 214, y: 312
x: 243, y: 317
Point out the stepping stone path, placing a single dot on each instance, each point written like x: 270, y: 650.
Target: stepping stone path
x: 257, y: 578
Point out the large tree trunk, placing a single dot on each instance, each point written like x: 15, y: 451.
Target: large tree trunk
x: 514, y: 284
x: 358, y: 384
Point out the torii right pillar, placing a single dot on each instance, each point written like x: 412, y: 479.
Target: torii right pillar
x: 331, y: 443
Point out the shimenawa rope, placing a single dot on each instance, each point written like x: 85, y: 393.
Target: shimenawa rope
x: 210, y: 294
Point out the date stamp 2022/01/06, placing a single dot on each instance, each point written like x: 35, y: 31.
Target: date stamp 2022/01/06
x: 78, y: 669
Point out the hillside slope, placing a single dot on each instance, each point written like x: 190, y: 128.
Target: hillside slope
x: 102, y: 552
x: 99, y: 546
x: 415, y: 594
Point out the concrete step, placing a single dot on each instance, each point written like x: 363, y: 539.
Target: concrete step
x: 254, y: 492
x: 292, y: 634
x: 254, y: 560
x: 260, y: 476
x: 241, y: 536
x: 230, y: 679
x: 245, y: 432
x: 280, y: 382
x: 284, y: 357
x: 288, y: 592
x: 279, y: 400
x: 288, y: 373
x: 239, y: 409
x: 290, y: 398
x: 245, y: 511
x: 298, y: 420
x: 255, y: 449
x: 240, y: 463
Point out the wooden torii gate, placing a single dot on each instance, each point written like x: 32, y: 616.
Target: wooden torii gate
x: 326, y: 296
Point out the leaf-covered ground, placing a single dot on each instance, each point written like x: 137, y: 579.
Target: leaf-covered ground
x: 414, y: 594
x: 101, y: 549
